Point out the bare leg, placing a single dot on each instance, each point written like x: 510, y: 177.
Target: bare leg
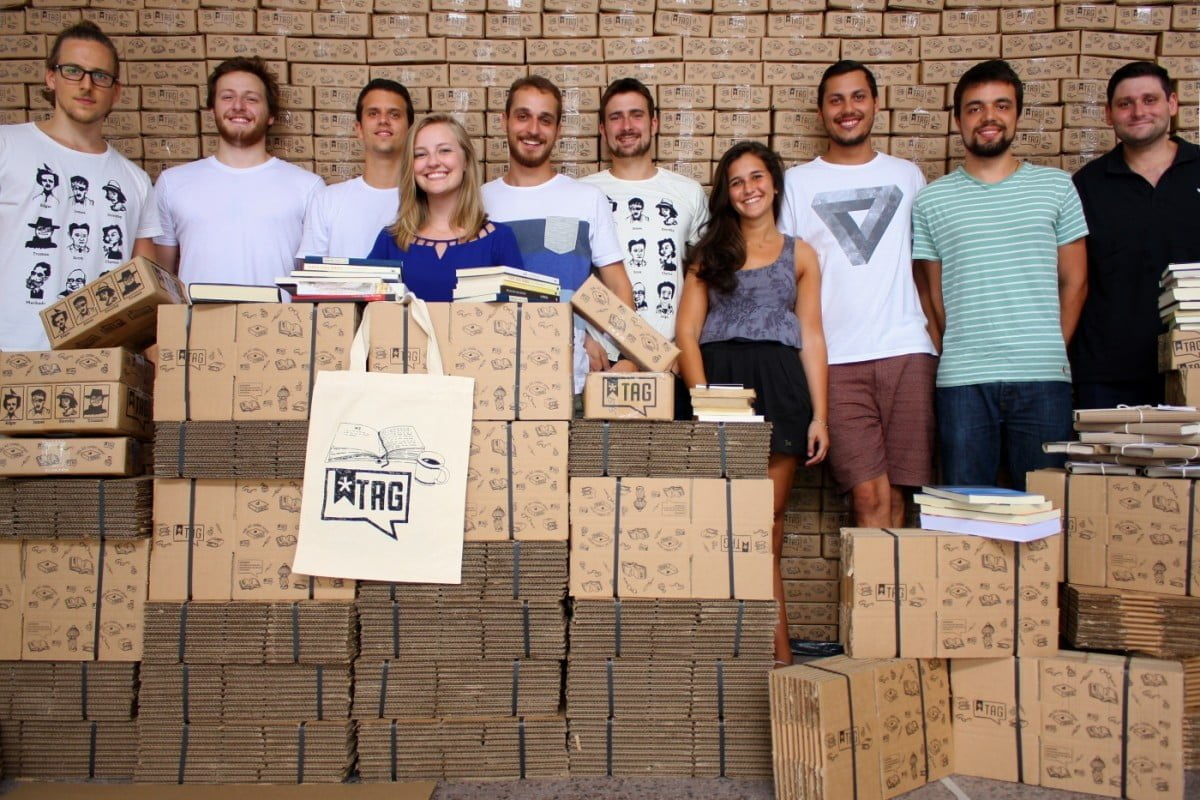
x: 873, y: 503
x: 899, y: 508
x: 782, y: 470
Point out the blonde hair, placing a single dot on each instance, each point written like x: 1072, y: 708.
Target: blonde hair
x: 414, y: 205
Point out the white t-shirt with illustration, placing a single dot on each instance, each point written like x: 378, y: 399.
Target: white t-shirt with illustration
x: 66, y: 218
x: 238, y: 226
x: 344, y: 219
x: 858, y: 217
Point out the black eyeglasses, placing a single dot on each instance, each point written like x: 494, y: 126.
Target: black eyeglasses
x: 75, y: 73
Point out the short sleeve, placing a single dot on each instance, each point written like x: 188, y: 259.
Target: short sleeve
x: 699, y: 215
x: 162, y: 198
x: 788, y: 223
x: 606, y: 247
x: 148, y: 224
x: 924, y: 247
x: 1070, y: 224
x: 314, y: 240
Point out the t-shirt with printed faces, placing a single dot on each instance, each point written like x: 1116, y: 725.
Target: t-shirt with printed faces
x: 657, y: 218
x: 858, y: 218
x: 239, y: 226
x: 344, y: 219
x: 66, y: 218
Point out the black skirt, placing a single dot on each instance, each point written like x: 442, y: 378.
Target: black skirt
x: 773, y: 370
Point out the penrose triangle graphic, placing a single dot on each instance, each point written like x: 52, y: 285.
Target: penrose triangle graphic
x: 858, y: 242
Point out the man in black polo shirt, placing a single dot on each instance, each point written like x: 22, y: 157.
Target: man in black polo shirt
x: 1142, y: 203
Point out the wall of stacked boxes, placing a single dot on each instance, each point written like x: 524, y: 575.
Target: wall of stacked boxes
x: 722, y: 69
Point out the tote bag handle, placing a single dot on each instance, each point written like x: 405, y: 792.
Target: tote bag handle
x: 419, y: 312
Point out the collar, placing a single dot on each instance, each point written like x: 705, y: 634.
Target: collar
x: 1184, y: 151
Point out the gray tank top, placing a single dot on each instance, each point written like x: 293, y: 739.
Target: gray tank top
x: 761, y: 308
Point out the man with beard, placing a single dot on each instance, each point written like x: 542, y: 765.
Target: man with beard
x: 854, y: 206
x: 564, y: 227
x: 1001, y: 247
x: 344, y: 219
x: 1142, y: 203
x: 235, y: 217
x: 82, y: 85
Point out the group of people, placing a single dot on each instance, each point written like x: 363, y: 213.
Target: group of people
x: 855, y: 300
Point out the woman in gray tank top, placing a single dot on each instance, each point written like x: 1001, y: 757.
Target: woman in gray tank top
x: 750, y: 313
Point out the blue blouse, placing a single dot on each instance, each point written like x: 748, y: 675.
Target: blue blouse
x: 431, y: 277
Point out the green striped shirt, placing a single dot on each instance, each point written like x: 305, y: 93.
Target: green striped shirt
x: 998, y: 244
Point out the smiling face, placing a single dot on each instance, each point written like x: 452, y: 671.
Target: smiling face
x: 751, y: 188
x: 1141, y: 111
x: 240, y: 109
x: 532, y: 126
x: 384, y: 122
x: 848, y: 109
x: 988, y: 120
x: 438, y: 160
x: 75, y: 281
x: 627, y: 125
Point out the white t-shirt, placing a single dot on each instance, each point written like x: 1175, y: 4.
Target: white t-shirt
x: 91, y: 206
x: 657, y: 219
x: 234, y: 225
x: 344, y: 219
x: 858, y: 217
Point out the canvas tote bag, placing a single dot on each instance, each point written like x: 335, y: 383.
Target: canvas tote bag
x: 385, y: 472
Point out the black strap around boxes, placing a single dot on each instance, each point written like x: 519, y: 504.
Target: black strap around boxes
x: 99, y: 598
x: 320, y: 691
x: 608, y: 746
x: 101, y: 511
x: 521, y: 746
x: 516, y: 396
x: 300, y: 746
x: 729, y: 534
x: 1066, y: 522
x: 616, y: 565
x: 92, y: 751
x: 183, y: 752
x: 1125, y: 728
x: 737, y: 628
x: 853, y: 733
x: 721, y: 714
x: 295, y: 632
x: 186, y: 358
x: 604, y: 433
x: 1189, y: 570
x: 896, y: 585
x: 1016, y: 662
x: 191, y: 537
x: 312, y: 356
x: 512, y: 531
x: 525, y: 632
x: 404, y: 369
x: 1016, y: 634
x: 516, y: 686
x: 617, y: 627
x: 516, y: 547
x: 83, y: 690
x: 395, y: 622
x: 183, y: 622
x: 393, y: 744
x: 924, y: 718
x: 383, y: 682
x: 612, y: 695
x: 721, y: 446
x: 185, y: 694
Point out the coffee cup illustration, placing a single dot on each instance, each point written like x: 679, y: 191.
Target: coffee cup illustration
x: 431, y: 469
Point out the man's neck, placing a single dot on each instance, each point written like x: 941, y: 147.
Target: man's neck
x: 521, y: 175
x: 639, y: 168
x: 1150, y: 160
x: 381, y: 172
x: 862, y: 153
x: 84, y: 138
x: 991, y: 169
x: 232, y: 155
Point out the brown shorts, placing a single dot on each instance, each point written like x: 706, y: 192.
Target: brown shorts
x: 881, y: 420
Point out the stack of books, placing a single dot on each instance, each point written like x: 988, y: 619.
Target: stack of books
x: 232, y: 293
x: 505, y: 285
x: 1179, y: 303
x: 1159, y: 442
x: 988, y: 511
x: 330, y: 278
x: 720, y: 402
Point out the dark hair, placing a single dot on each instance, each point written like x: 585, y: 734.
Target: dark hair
x: 624, y: 86
x: 844, y: 67
x: 995, y: 71
x: 387, y: 85
x: 666, y: 285
x: 86, y: 31
x: 1139, y: 69
x: 256, y: 67
x: 721, y: 251
x: 542, y: 84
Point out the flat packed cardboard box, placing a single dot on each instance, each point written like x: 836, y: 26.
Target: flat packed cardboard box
x: 517, y: 481
x: 629, y: 395
x: 231, y: 540
x: 1083, y: 722
x: 116, y: 456
x: 690, y: 537
x: 874, y: 728
x: 247, y: 361
x: 930, y: 594
x: 118, y: 308
x: 1183, y: 388
x: 633, y: 336
x: 1126, y: 532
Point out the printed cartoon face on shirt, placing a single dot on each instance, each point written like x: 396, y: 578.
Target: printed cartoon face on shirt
x: 47, y: 181
x: 36, y: 282
x: 667, y: 256
x: 79, y: 233
x: 666, y: 210
x: 43, y: 233
x: 637, y: 209
x: 79, y: 193
x: 114, y: 243
x: 115, y: 196
x: 75, y: 281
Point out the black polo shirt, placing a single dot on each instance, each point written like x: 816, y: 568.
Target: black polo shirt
x: 1134, y: 231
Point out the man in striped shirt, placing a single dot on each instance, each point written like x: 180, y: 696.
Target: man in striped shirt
x: 1000, y: 251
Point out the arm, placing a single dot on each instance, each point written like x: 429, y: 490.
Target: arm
x: 928, y: 277
x: 689, y: 321
x: 1072, y: 284
x: 167, y: 256
x: 146, y: 249
x: 813, y: 355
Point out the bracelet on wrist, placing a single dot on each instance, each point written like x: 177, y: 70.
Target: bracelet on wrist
x: 817, y: 421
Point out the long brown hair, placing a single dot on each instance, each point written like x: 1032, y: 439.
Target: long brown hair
x: 721, y: 251
x: 414, y: 204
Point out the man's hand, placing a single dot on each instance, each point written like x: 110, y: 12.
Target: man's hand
x: 597, y: 357
x: 623, y: 365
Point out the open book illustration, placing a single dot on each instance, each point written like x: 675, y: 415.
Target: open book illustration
x: 355, y: 442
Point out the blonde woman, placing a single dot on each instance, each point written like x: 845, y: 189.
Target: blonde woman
x: 441, y: 226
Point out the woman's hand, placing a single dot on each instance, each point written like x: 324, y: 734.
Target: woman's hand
x: 818, y: 442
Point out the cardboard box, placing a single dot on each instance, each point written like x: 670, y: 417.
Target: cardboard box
x: 332, y: 51
x: 915, y: 23
x: 920, y: 122
x: 1126, y: 532
x: 853, y: 23
x: 685, y: 96
x: 649, y: 73
x: 1178, y: 350
x: 930, y: 594
x: 1178, y: 43
x: 1086, y: 16
x: 285, y: 23
x: 1027, y: 20
x: 817, y: 49
x: 796, y: 24
x: 877, y: 50
x: 115, y: 456
x: 231, y: 540
x: 1042, y: 118
x: 1085, y: 722
x: 742, y: 98
x: 329, y: 75
x: 633, y: 336
x: 399, y: 26
x: 118, y: 308
x: 247, y: 361
x: 1096, y: 141
x: 874, y: 728
x: 806, y: 591
x: 512, y: 26
x: 480, y: 341
x: 722, y: 73
x: 741, y: 26
x: 1154, y: 18
x: 916, y: 97
x: 565, y: 51
x: 83, y: 600
x: 794, y: 98
x: 629, y: 395
x: 399, y: 51
x: 1119, y: 45
x: 691, y: 537
x: 487, y: 51
x: 649, y: 48
x: 224, y: 20
x: 517, y: 481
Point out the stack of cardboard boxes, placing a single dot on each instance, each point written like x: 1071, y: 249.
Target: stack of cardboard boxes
x: 816, y: 513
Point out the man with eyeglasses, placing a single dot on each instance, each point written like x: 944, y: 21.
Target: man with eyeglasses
x: 38, y: 159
